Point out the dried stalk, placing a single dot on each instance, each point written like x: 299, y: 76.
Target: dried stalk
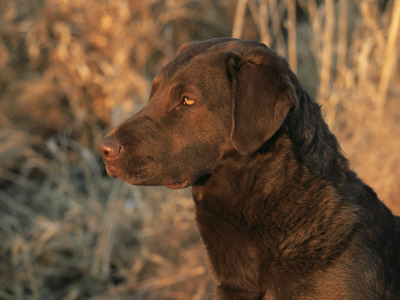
x: 239, y: 19
x: 291, y: 6
x: 390, y: 55
x: 264, y: 20
x: 342, y: 39
x: 326, y: 62
x: 276, y: 27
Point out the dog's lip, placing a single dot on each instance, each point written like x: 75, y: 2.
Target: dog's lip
x: 110, y: 171
x: 179, y: 184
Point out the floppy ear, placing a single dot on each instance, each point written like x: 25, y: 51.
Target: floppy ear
x: 263, y: 95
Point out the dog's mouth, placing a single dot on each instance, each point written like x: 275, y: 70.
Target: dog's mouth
x: 115, y: 172
x: 179, y: 184
x: 201, y: 180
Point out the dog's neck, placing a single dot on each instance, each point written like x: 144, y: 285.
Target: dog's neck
x: 316, y: 148
x: 264, y: 175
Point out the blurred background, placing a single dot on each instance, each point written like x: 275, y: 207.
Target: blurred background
x: 70, y: 70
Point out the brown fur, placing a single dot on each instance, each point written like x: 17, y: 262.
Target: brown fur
x: 280, y: 212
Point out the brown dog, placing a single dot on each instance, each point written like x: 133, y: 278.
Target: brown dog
x: 280, y: 212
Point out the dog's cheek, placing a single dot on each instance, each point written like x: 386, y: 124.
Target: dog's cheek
x: 194, y: 160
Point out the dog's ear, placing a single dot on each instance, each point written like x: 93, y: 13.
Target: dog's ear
x: 263, y: 95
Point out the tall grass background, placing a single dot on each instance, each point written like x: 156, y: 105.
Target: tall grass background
x: 70, y: 70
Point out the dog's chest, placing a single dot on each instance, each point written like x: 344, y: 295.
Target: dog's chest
x: 232, y: 247
x: 232, y: 250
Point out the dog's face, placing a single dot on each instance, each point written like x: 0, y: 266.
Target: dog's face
x: 180, y: 134
x: 196, y: 112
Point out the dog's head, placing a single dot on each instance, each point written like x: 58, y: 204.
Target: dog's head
x: 215, y: 96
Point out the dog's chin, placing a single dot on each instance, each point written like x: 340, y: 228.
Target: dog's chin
x: 171, y: 185
x: 112, y: 172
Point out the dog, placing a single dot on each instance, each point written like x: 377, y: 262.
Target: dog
x: 280, y: 212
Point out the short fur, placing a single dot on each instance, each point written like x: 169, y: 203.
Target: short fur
x: 281, y: 214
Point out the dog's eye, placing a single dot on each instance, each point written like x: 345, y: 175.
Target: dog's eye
x: 187, y: 100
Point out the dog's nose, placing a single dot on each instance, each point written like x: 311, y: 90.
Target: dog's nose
x: 109, y: 147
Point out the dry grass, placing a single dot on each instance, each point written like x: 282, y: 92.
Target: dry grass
x: 71, y: 70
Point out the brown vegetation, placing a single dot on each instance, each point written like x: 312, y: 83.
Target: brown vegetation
x: 71, y: 70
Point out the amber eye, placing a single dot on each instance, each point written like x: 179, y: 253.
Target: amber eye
x: 187, y: 100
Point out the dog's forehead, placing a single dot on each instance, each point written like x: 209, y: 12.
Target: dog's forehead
x: 205, y: 50
x: 179, y: 62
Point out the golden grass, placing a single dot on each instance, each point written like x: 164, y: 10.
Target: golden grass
x: 71, y: 70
